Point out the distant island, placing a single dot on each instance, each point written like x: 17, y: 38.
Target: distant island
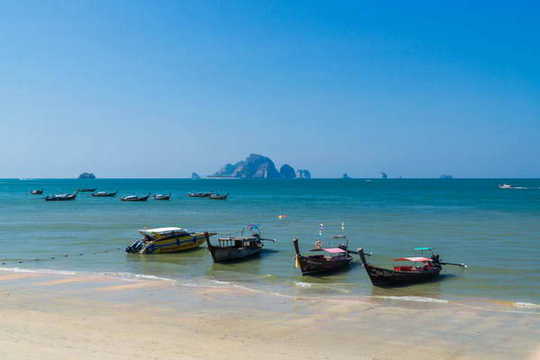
x: 86, y: 175
x: 260, y: 167
x: 346, y: 176
x: 444, y: 176
x: 195, y: 176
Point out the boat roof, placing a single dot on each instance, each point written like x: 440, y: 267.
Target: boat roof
x: 423, y: 248
x: 163, y: 230
x: 334, y: 250
x: 415, y: 259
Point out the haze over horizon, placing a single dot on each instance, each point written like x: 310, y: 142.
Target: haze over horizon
x: 144, y: 89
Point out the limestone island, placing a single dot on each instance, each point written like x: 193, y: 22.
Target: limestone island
x: 260, y: 167
x: 86, y: 175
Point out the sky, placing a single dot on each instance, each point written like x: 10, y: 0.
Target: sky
x: 164, y: 88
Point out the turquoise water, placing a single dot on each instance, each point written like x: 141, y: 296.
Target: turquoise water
x: 496, y: 232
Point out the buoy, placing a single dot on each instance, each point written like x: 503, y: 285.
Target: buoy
x: 282, y: 216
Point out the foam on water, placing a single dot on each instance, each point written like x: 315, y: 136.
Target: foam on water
x: 413, y: 298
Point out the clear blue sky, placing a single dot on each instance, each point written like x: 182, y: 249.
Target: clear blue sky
x: 164, y: 88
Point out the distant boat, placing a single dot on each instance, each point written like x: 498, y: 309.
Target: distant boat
x: 36, y: 192
x: 87, y: 190
x: 219, y: 196
x: 200, y: 194
x: 167, y: 240
x: 162, y: 197
x: 104, y: 194
x: 61, y: 197
x: 135, y: 198
x: 505, y: 186
x: 335, y: 259
x: 237, y: 248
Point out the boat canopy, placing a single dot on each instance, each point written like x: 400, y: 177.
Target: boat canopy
x: 162, y: 231
x: 423, y: 249
x: 334, y: 250
x: 414, y: 259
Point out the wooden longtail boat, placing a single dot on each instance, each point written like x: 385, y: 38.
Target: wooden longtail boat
x: 219, y: 196
x: 37, y: 192
x: 104, y: 194
x: 167, y: 240
x: 336, y: 259
x: 162, y: 196
x: 407, y: 274
x: 61, y: 197
x: 200, y: 194
x: 87, y: 190
x: 237, y: 248
x: 135, y: 198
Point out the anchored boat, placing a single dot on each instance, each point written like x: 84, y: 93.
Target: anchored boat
x: 167, y: 240
x: 37, y: 192
x: 104, y: 194
x: 87, y: 190
x: 135, y: 198
x: 424, y: 269
x: 334, y: 259
x: 162, y: 196
x: 200, y: 194
x: 61, y: 197
x: 237, y: 248
x: 219, y: 196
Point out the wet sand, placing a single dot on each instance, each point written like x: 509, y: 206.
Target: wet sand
x: 51, y: 316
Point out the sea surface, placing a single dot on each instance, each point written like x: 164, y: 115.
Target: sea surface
x: 495, y: 232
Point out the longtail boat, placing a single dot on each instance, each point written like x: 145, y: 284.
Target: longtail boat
x: 36, y: 192
x: 237, y: 248
x: 87, y: 190
x: 61, y: 197
x: 167, y: 240
x: 162, y: 196
x: 334, y: 259
x: 135, y: 198
x: 403, y: 275
x: 104, y: 194
x: 219, y: 196
x: 200, y: 194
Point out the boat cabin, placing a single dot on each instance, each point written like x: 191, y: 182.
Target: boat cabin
x: 420, y: 263
x: 164, y: 232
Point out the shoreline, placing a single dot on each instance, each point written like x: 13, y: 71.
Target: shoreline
x: 89, y: 317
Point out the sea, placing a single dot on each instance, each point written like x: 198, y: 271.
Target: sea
x: 496, y: 232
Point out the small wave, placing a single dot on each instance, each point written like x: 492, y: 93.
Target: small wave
x: 133, y: 276
x: 38, y: 271
x: 302, y: 284
x: 413, y: 298
x: 526, y: 305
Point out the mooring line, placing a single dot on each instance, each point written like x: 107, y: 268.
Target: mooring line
x: 54, y: 257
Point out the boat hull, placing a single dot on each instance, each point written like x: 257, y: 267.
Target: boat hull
x: 226, y: 254
x: 167, y: 245
x: 390, y: 278
x: 320, y: 265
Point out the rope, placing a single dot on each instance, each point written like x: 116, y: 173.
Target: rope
x: 49, y: 258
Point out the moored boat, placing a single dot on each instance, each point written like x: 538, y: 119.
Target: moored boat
x: 200, y: 194
x: 162, y: 196
x: 61, y: 197
x: 505, y: 186
x: 87, y: 190
x: 237, y: 248
x: 219, y: 196
x: 404, y: 275
x: 135, y: 198
x: 36, y: 192
x: 167, y: 240
x: 104, y: 194
x: 334, y: 259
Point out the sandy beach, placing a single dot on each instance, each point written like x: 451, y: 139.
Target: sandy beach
x: 71, y: 316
